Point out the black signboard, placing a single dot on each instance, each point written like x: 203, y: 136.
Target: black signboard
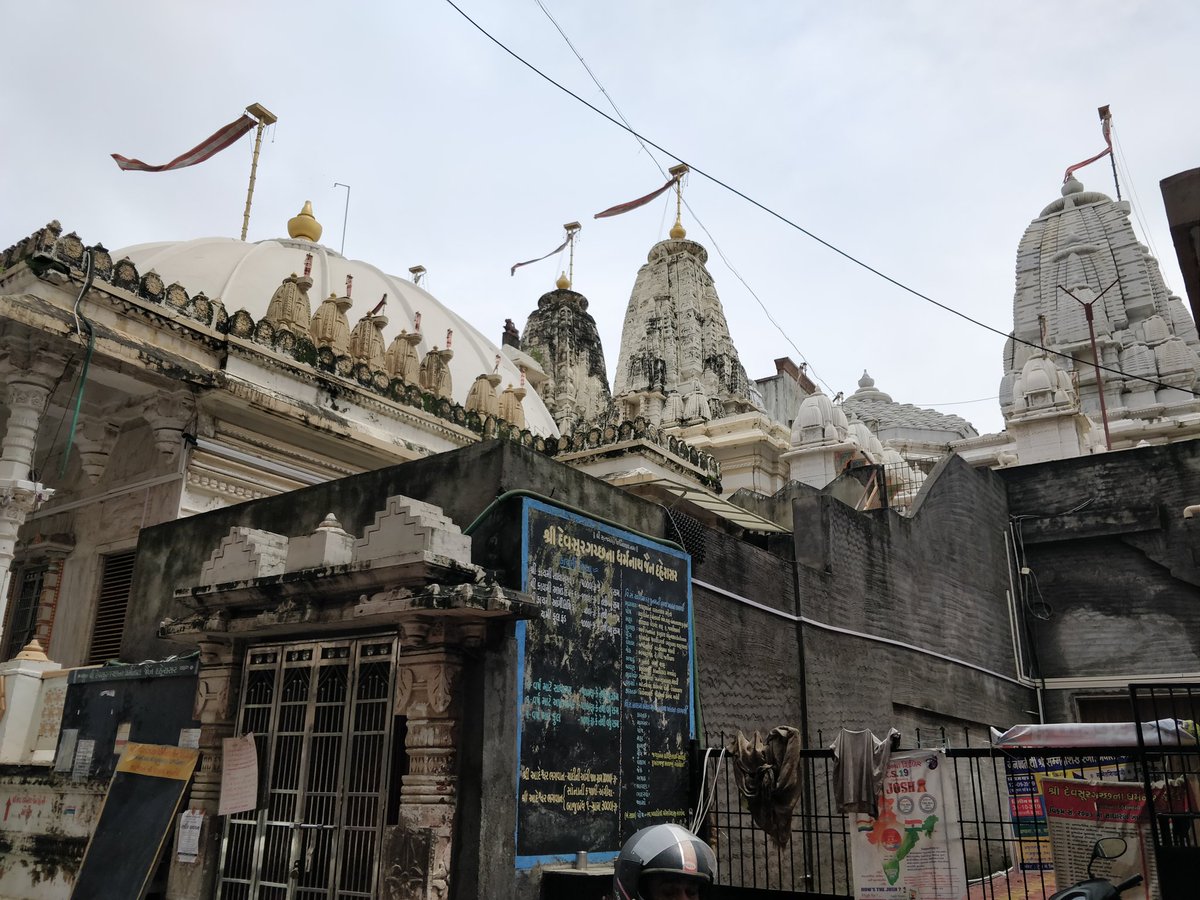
x: 143, y: 798
x: 605, y: 697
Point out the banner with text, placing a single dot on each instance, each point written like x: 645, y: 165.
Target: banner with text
x: 914, y: 848
x: 605, y: 689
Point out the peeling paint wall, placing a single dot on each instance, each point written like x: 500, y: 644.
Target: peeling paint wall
x: 45, y: 822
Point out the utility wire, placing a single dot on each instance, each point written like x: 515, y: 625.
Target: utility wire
x: 1133, y: 194
x: 785, y: 220
x: 712, y: 240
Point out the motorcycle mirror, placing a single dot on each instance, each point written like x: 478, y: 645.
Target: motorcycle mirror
x: 1107, y: 848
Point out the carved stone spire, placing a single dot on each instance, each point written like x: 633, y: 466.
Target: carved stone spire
x: 289, y: 307
x: 677, y: 362
x: 329, y: 326
x: 561, y: 334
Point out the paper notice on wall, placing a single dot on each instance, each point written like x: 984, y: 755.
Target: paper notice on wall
x: 82, y: 767
x: 122, y: 739
x: 187, y: 845
x: 189, y: 737
x: 239, y: 775
x: 914, y: 848
x: 1081, y: 813
x: 66, y: 750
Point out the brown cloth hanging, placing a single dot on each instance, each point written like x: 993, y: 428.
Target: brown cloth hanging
x: 769, y: 777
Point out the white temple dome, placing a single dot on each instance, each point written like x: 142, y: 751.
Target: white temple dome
x: 246, y: 275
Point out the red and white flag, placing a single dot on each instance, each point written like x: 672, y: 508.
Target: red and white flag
x: 640, y: 201
x: 206, y: 149
x: 1106, y: 129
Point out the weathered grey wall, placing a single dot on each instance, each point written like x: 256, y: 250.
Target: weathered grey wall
x: 463, y: 483
x: 936, y: 580
x: 1120, y: 577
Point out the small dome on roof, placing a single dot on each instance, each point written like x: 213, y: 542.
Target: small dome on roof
x: 812, y: 420
x: 867, y: 391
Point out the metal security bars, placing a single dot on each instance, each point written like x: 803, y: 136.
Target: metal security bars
x: 321, y: 716
x: 1004, y: 845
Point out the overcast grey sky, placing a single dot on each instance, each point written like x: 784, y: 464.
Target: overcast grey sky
x: 921, y: 137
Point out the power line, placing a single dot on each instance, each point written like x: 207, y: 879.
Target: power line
x: 712, y: 240
x: 785, y: 220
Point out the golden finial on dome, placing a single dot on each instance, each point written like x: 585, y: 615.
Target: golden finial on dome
x: 305, y: 226
x: 678, y: 232
x: 563, y: 283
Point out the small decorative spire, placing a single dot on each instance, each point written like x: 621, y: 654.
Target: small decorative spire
x: 563, y: 283
x: 304, y: 226
x: 349, y: 284
x: 416, y: 321
x: 449, y: 337
x: 308, y: 258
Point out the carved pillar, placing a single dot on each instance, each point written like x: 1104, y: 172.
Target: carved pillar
x: 215, y: 707
x: 28, y: 388
x: 418, y: 850
x: 28, y: 382
x: 54, y: 550
x: 168, y: 414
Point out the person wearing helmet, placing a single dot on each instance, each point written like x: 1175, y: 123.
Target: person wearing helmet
x: 664, y: 862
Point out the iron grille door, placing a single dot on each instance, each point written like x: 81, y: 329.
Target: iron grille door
x: 321, y: 716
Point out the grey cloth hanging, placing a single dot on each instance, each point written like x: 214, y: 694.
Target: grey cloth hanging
x: 769, y: 777
x: 859, y: 763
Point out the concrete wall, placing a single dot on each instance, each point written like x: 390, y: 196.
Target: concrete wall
x: 463, y: 483
x: 1118, y: 579
x: 936, y: 581
x: 45, y: 825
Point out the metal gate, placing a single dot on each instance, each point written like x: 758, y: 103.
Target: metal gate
x: 321, y: 715
x: 1171, y: 769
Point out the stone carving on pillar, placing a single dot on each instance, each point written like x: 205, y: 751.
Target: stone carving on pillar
x: 168, y: 414
x: 427, y: 693
x: 95, y: 440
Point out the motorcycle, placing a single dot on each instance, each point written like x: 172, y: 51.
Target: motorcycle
x: 1101, y: 888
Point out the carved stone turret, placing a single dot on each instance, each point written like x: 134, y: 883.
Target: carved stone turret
x: 482, y: 398
x: 289, y: 307
x: 435, y: 372
x: 330, y: 327
x: 562, y: 335
x: 677, y: 363
x: 402, y: 360
x: 366, y: 341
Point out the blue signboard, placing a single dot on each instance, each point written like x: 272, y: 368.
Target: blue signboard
x: 605, y: 687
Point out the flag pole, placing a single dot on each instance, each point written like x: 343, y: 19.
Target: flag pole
x: 572, y: 229
x: 1106, y: 120
x: 265, y: 117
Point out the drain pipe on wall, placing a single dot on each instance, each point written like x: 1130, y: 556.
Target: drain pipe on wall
x: 1038, y: 684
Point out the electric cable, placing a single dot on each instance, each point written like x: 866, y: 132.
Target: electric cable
x: 87, y: 359
x: 800, y: 228
x: 1136, y: 201
x: 712, y: 240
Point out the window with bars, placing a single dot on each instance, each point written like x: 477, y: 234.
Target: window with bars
x: 25, y: 593
x: 116, y: 579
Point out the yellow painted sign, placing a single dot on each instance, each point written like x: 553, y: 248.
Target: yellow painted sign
x: 158, y: 761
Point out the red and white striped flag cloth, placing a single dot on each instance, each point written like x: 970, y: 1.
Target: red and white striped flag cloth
x: 558, y: 249
x: 206, y: 149
x: 640, y: 201
x: 1106, y: 128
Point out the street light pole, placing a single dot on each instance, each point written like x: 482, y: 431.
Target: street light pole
x: 1087, y: 312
